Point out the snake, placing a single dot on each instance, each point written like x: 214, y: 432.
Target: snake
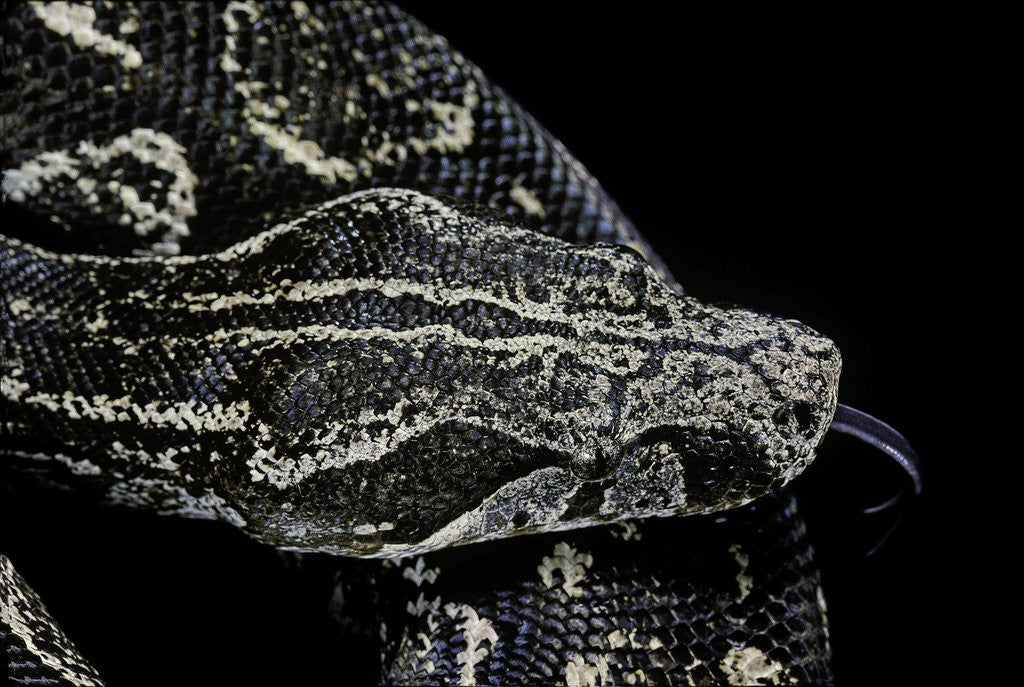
x: 305, y: 270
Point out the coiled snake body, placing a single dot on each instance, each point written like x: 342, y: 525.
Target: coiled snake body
x: 233, y: 291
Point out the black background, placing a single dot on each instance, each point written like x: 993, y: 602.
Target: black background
x: 791, y: 164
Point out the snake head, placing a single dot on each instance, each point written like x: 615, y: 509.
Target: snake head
x: 479, y: 380
x: 392, y: 372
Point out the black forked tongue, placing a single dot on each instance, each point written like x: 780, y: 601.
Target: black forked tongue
x: 873, y: 431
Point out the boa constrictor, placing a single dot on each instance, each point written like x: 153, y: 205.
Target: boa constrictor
x: 304, y: 269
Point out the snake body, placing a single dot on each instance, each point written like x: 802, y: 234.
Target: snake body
x: 234, y: 292
x: 165, y: 128
x: 615, y: 605
x: 33, y: 648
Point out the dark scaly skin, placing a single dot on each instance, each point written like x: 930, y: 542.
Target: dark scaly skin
x: 55, y: 96
x: 388, y: 101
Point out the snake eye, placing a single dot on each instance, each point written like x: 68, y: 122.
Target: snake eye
x: 595, y: 464
x: 794, y: 418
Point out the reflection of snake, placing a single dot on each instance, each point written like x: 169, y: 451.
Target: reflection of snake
x: 384, y: 372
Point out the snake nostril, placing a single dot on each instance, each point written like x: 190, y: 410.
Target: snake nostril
x: 794, y: 418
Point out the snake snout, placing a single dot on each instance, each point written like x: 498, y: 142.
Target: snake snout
x: 806, y: 395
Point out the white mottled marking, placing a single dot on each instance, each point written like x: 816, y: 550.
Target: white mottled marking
x: 476, y: 631
x: 750, y: 666
x: 579, y: 673
x: 628, y: 531
x: 420, y: 573
x: 163, y: 152
x: 637, y: 677
x: 11, y: 388
x: 227, y: 61
x: 620, y: 638
x: 77, y: 21
x: 527, y: 199
x: 19, y: 306
x: 27, y: 180
x: 572, y: 564
x: 167, y: 498
x: 77, y: 467
x: 191, y: 414
x: 422, y: 606
x: 303, y: 152
x: 148, y: 147
x: 745, y: 581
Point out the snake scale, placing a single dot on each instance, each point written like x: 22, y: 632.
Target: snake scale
x: 302, y: 268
